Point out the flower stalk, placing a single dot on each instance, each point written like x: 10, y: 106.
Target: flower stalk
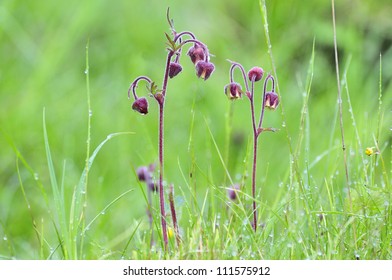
x: 200, y: 57
x: 269, y: 100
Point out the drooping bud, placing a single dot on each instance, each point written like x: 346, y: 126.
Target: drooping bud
x: 271, y: 100
x: 196, y: 53
x: 233, y: 91
x: 255, y: 74
x: 142, y: 173
x: 152, y: 186
x: 204, y: 69
x: 174, y: 69
x: 159, y: 97
x: 140, y: 105
x: 232, y: 191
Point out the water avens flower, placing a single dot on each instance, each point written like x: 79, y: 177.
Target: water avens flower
x: 196, y: 53
x: 233, y: 91
x: 204, y: 69
x: 200, y: 57
x: 232, y: 192
x: 174, y: 69
x: 140, y: 105
x: 271, y: 100
x: 255, y: 74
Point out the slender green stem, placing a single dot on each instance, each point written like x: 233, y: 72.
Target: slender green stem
x: 263, y: 9
x: 88, y: 143
x: 341, y: 118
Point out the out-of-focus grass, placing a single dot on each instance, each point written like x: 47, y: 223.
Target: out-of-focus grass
x: 42, y: 63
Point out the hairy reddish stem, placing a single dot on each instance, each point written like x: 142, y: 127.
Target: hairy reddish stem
x: 174, y: 215
x: 257, y: 128
x: 161, y: 150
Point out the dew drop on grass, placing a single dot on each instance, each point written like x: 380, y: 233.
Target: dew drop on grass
x: 86, y: 71
x: 90, y: 113
x: 5, y: 238
x: 283, y: 124
x: 103, y: 213
x: 36, y: 176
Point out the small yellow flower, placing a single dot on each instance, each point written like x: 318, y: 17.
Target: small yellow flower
x: 170, y: 232
x: 369, y: 151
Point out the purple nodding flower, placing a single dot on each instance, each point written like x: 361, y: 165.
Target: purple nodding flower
x: 256, y: 73
x: 142, y: 173
x: 152, y: 186
x: 233, y: 91
x: 271, y: 100
x: 140, y: 105
x: 232, y: 191
x: 174, y: 69
x: 204, y: 69
x: 196, y: 53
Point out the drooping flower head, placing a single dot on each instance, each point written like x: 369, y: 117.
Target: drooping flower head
x: 174, y: 69
x: 196, y: 53
x: 271, y: 100
x: 255, y: 74
x: 204, y: 69
x: 233, y: 91
x: 140, y: 105
x: 232, y: 191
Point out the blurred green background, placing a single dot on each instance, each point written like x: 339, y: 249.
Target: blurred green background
x: 42, y: 64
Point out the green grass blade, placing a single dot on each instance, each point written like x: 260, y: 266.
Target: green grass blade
x: 57, y: 197
x: 219, y: 153
x: 80, y: 190
x: 104, y: 210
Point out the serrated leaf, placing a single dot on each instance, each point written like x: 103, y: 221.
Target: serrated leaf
x: 170, y: 43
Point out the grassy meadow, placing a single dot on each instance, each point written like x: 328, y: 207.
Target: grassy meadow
x: 70, y: 142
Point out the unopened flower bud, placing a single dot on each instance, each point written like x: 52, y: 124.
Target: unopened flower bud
x: 271, y: 100
x: 142, y: 173
x: 255, y: 74
x: 204, y: 69
x: 232, y: 191
x: 233, y: 91
x: 174, y: 69
x: 196, y: 53
x: 152, y: 186
x: 140, y: 105
x: 159, y: 97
